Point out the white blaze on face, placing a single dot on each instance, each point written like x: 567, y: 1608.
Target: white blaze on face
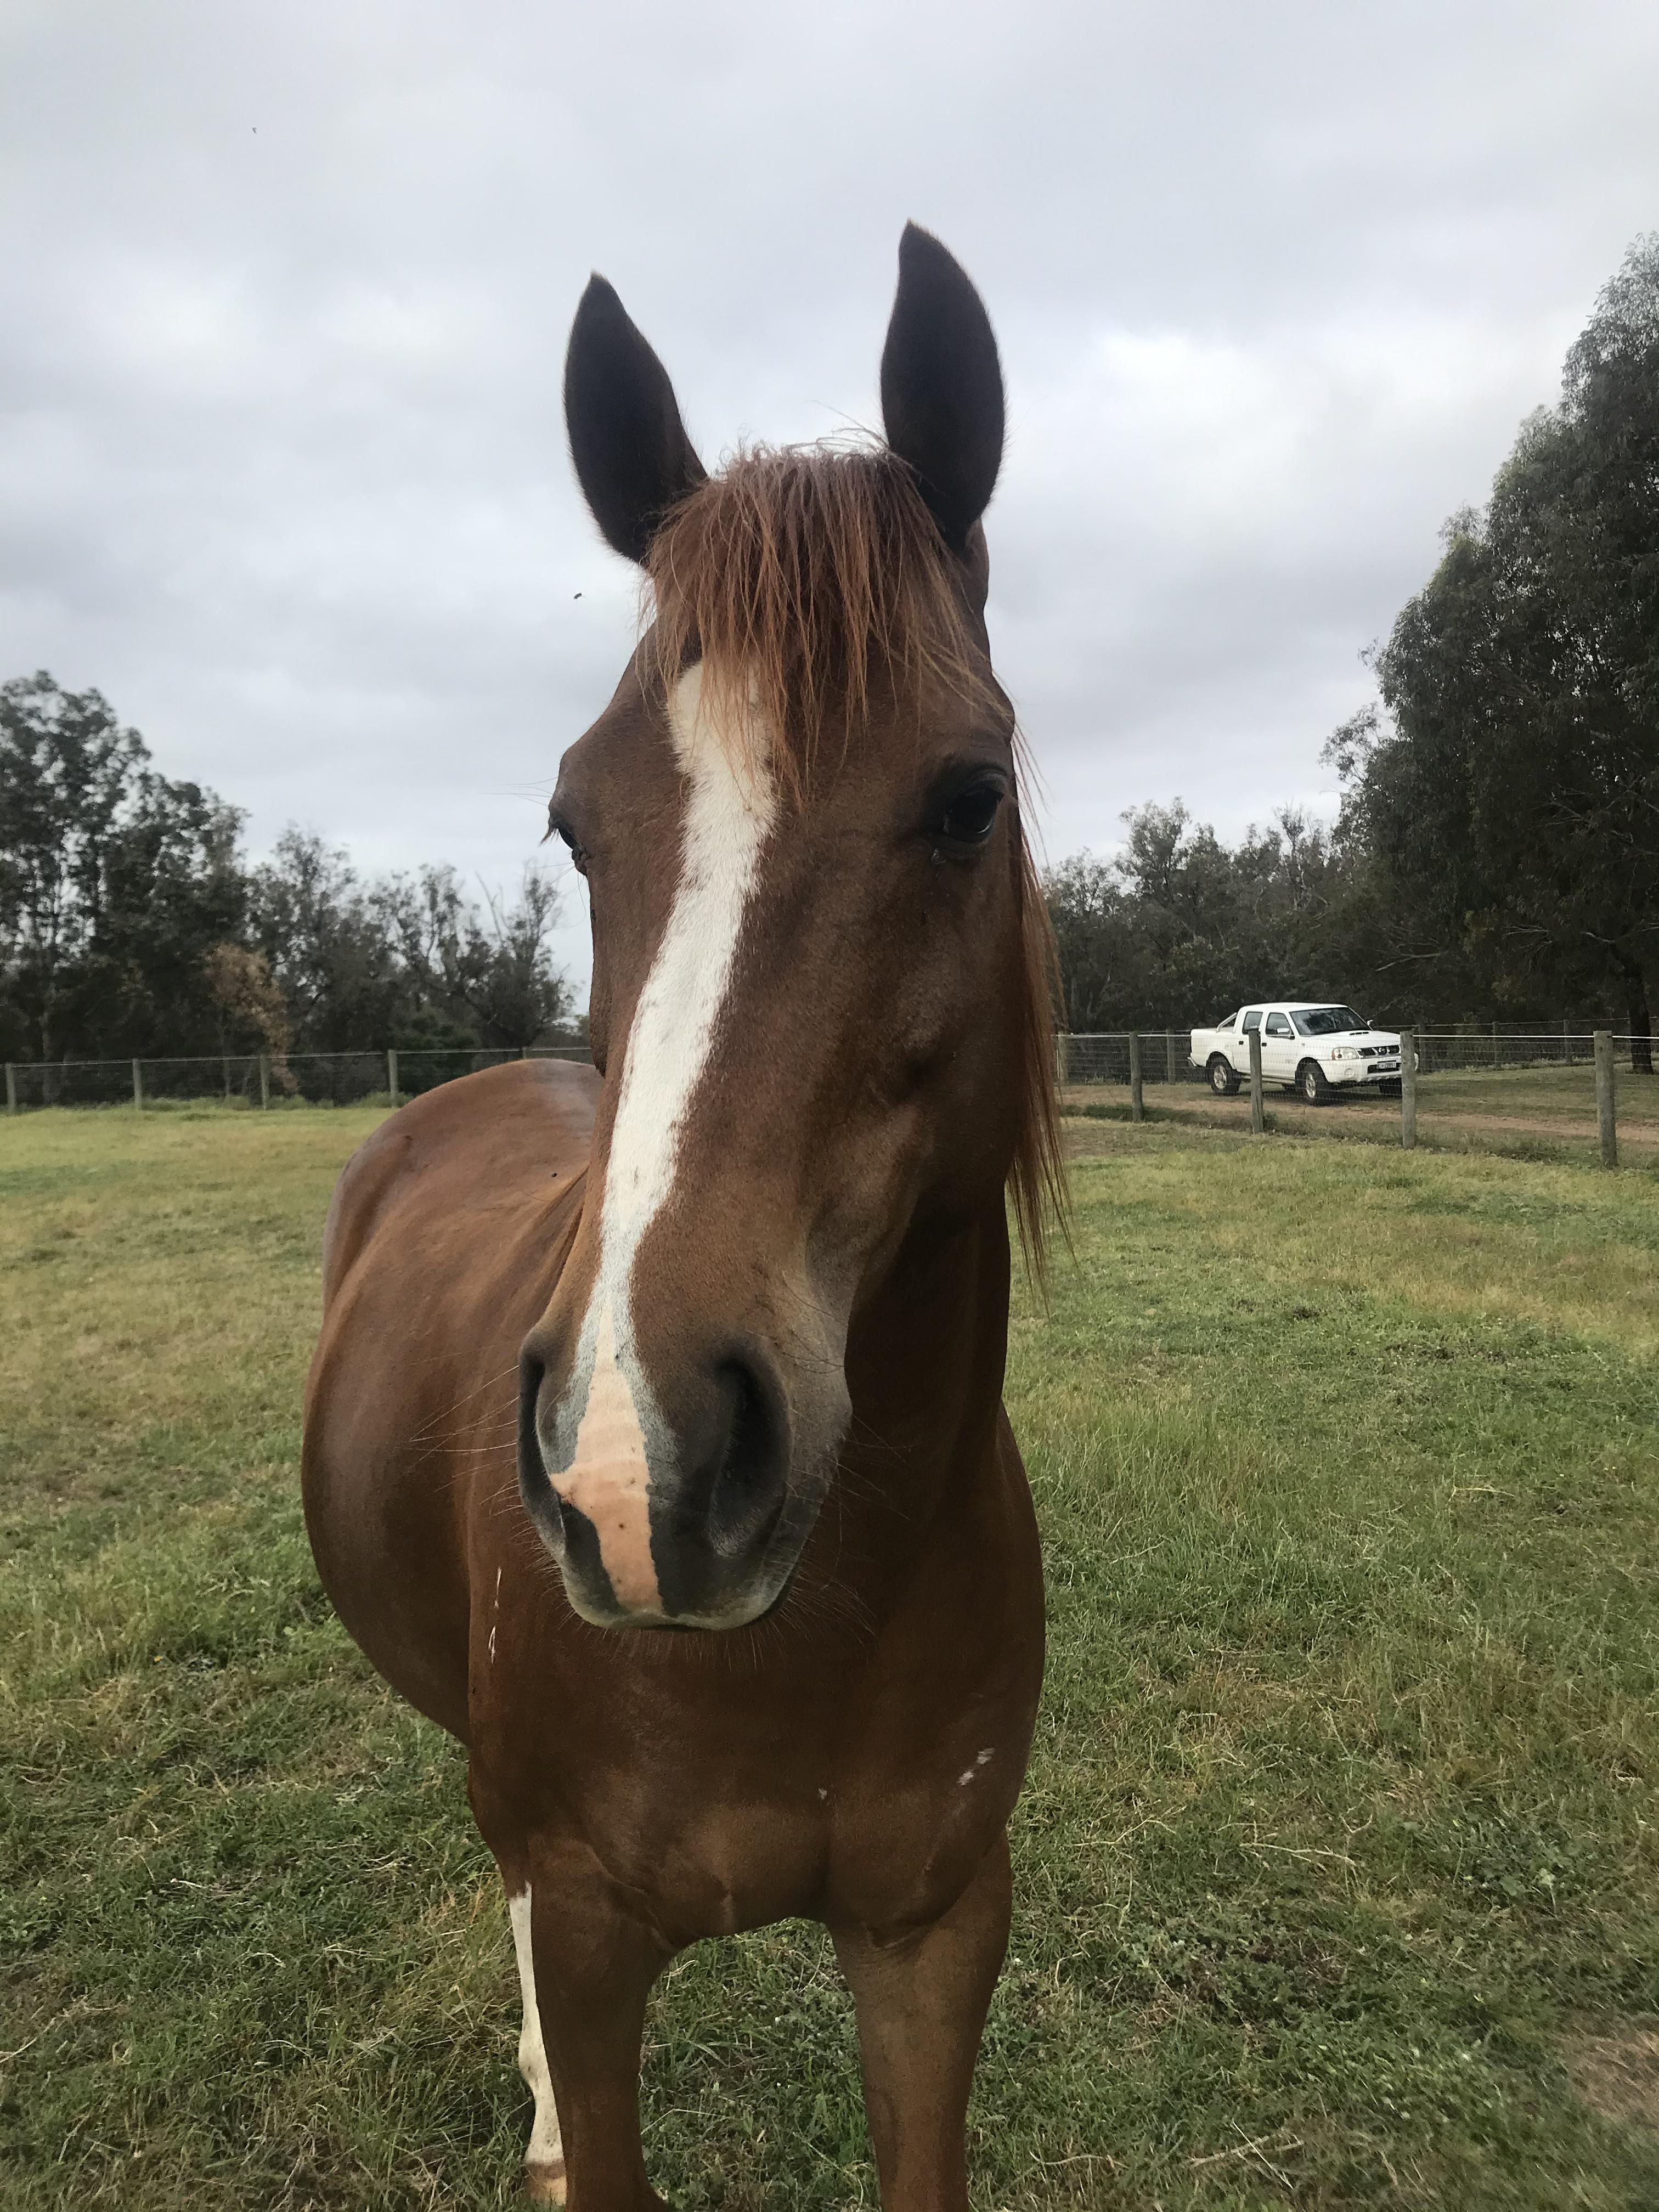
x: 608, y: 1426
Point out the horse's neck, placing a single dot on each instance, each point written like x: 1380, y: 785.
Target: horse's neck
x: 925, y: 1364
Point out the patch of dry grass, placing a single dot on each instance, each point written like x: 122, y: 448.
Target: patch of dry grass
x: 1477, y: 1235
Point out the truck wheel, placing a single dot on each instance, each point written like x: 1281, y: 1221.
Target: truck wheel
x: 1224, y: 1079
x: 1310, y: 1082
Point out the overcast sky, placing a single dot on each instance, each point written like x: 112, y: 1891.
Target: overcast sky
x: 282, y: 467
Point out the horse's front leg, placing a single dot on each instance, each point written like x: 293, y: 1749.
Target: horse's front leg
x: 593, y: 1965
x: 544, y: 2160
x: 921, y: 2002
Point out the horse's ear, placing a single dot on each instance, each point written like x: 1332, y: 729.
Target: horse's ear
x: 941, y: 385
x: 633, y: 458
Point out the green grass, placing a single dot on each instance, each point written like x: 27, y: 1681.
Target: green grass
x: 1336, y: 1872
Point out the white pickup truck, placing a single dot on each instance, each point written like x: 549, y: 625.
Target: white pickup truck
x: 1308, y: 1047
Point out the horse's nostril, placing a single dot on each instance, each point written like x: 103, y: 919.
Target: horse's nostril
x: 747, y: 1492
x: 541, y: 1500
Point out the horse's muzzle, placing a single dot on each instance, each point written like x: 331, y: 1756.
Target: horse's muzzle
x: 704, y: 1527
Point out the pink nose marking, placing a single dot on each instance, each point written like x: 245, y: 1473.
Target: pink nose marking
x: 610, y: 1481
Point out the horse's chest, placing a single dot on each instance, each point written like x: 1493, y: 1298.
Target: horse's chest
x: 707, y: 1852
x: 710, y: 1863
x: 715, y: 1805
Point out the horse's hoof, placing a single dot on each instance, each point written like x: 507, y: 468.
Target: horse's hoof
x: 543, y: 2182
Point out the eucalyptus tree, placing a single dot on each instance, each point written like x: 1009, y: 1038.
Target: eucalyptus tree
x: 1512, y: 789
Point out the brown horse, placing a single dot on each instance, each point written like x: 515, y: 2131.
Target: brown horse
x: 756, y: 1628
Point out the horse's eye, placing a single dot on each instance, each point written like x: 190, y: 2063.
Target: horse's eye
x: 567, y: 838
x: 970, y: 815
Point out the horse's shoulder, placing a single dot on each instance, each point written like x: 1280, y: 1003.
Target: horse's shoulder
x: 464, y: 1140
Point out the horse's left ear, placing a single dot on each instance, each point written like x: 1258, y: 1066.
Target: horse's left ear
x: 633, y: 458
x: 941, y: 386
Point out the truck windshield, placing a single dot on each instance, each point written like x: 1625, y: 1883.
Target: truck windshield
x: 1326, y: 1021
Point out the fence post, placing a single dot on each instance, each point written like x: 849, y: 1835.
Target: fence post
x: 11, y: 1088
x: 1408, y: 1089
x: 1062, y: 1059
x: 1494, y: 1044
x: 1169, y: 1057
x: 265, y: 1078
x: 1257, y: 1124
x: 391, y: 1076
x: 1605, y: 1117
x: 138, y: 1084
x: 1137, y: 1104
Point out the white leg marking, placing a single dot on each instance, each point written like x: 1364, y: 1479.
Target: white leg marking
x: 546, y: 2145
x: 609, y: 1422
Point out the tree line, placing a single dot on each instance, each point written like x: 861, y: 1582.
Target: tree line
x: 132, y: 924
x: 1496, y: 853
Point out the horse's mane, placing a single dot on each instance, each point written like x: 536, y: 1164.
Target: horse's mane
x: 800, y: 579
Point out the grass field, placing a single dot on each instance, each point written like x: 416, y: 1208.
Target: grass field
x: 1337, y: 1873
x: 1536, y: 1113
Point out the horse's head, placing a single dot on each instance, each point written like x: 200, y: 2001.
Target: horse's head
x: 819, y: 992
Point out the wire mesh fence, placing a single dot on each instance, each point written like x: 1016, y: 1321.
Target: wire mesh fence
x: 255, y: 1079
x: 1503, y: 1089
x: 1442, y: 1051
x: 1103, y: 1057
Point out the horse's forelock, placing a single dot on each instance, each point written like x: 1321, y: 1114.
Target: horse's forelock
x: 801, y: 579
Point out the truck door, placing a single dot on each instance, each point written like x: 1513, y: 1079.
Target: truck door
x: 1278, y: 1050
x: 1249, y: 1020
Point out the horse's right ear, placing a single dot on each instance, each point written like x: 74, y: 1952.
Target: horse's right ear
x: 633, y: 458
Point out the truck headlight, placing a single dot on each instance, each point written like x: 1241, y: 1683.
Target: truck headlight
x: 1344, y: 1052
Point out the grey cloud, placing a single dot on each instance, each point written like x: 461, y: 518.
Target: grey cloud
x: 281, y: 467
